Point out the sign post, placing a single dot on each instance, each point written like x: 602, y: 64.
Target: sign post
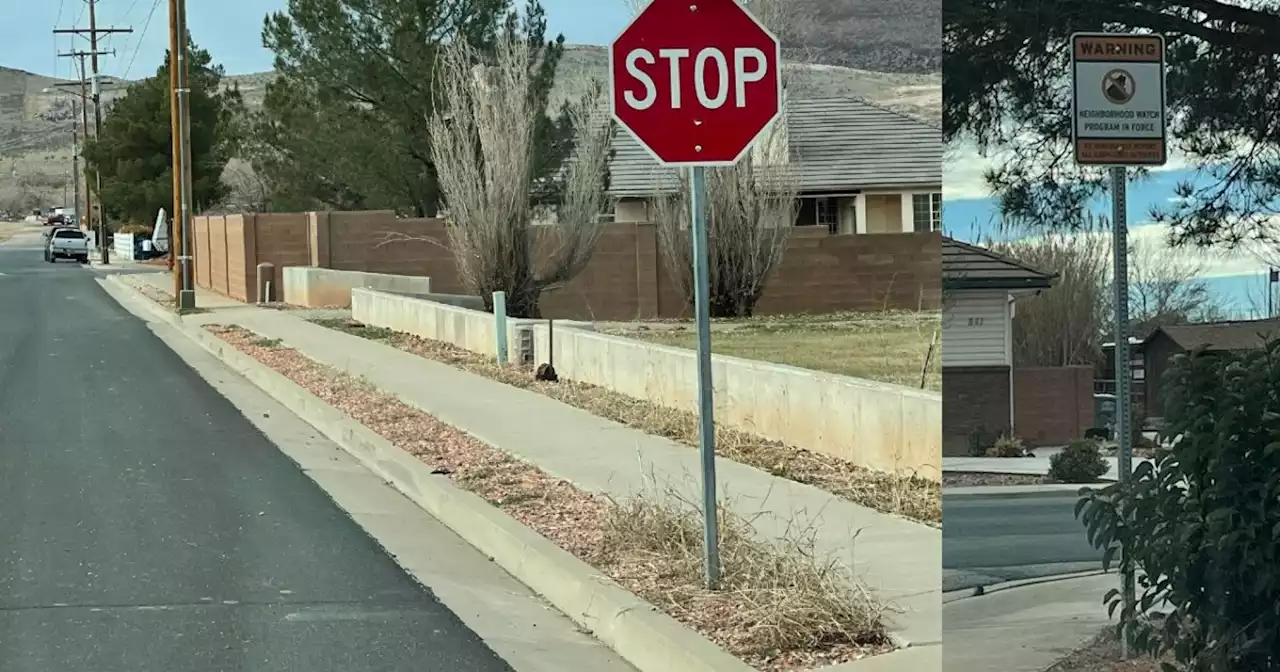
x: 1118, y: 121
x: 696, y: 82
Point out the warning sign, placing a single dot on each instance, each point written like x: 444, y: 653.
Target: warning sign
x: 1118, y: 110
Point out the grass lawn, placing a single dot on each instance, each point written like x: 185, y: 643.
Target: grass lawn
x: 889, y: 347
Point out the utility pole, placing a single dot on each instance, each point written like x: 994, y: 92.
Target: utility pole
x: 75, y: 163
x: 180, y: 126
x: 93, y: 31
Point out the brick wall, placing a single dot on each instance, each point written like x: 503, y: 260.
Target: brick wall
x: 626, y: 278
x: 1052, y: 405
x: 974, y: 398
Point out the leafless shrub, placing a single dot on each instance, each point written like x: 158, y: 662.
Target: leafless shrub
x: 484, y: 149
x: 751, y: 211
x: 777, y: 597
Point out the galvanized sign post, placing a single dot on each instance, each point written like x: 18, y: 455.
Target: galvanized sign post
x: 1118, y: 120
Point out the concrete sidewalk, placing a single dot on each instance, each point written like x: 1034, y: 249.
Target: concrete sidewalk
x: 1024, y: 629
x: 1035, y: 466
x: 898, y: 559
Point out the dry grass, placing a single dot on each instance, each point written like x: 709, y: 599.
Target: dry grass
x: 912, y: 497
x: 780, y: 606
x: 10, y: 229
x: 1103, y: 655
x: 889, y: 347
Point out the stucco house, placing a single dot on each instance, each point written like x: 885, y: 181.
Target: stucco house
x: 980, y: 290
x: 861, y: 168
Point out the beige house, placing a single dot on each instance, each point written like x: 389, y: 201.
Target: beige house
x: 862, y: 169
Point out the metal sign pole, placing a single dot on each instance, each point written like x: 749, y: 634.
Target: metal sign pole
x: 1124, y: 431
x: 706, y: 417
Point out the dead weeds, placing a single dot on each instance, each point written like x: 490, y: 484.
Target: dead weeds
x: 780, y: 606
x: 917, y: 498
x: 1103, y: 654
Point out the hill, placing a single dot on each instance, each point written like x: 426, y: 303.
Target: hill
x: 36, y: 122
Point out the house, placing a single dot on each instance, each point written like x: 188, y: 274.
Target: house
x: 860, y: 168
x: 1165, y: 343
x: 980, y: 289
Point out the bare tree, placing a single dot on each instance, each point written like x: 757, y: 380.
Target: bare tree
x: 1167, y: 287
x: 247, y: 191
x: 1061, y: 326
x: 483, y: 144
x: 751, y: 212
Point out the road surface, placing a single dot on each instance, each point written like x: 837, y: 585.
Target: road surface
x: 990, y: 539
x: 145, y: 525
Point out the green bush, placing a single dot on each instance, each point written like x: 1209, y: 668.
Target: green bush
x: 1007, y: 446
x: 1202, y: 517
x: 1080, y: 462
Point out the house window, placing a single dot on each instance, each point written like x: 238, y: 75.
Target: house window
x: 828, y: 214
x: 926, y: 211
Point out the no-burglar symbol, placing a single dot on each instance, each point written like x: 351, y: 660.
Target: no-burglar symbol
x: 1117, y: 87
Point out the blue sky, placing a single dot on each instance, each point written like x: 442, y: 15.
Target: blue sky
x: 1238, y: 280
x: 229, y: 29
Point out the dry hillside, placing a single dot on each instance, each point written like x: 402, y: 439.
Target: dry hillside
x: 36, y: 127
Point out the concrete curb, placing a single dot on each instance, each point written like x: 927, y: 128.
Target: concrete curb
x: 641, y: 634
x: 979, y: 591
x: 1019, y: 490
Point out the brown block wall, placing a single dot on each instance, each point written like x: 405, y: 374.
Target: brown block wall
x: 1052, y: 405
x: 973, y: 398
x: 626, y: 279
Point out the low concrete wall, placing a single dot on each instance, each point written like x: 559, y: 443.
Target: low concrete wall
x: 465, y: 328
x: 122, y: 246
x: 322, y: 287
x: 875, y: 425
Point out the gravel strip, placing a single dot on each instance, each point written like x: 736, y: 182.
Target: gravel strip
x: 587, y: 526
x: 962, y: 479
x: 918, y: 499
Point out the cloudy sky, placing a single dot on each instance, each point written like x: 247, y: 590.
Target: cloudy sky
x: 1237, y: 279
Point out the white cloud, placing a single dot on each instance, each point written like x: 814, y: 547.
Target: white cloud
x: 963, y: 167
x: 1153, y: 239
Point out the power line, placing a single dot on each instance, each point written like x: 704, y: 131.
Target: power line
x: 124, y: 17
x: 138, y: 45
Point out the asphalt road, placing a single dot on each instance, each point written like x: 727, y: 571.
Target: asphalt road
x: 991, y: 539
x: 145, y: 525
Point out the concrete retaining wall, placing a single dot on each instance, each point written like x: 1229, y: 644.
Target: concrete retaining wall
x: 875, y: 425
x: 871, y: 424
x: 322, y: 287
x: 465, y: 328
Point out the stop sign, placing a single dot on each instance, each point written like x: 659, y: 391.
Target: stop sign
x: 695, y: 81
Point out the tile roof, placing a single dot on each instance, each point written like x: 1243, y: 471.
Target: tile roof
x: 967, y: 266
x: 1235, y: 335
x: 839, y: 144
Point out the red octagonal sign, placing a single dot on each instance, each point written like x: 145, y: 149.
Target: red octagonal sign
x: 695, y: 81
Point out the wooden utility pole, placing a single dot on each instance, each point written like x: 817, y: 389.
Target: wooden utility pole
x: 180, y: 126
x: 93, y: 31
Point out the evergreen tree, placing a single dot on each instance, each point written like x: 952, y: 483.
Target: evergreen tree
x: 1006, y: 86
x: 344, y: 124
x: 134, y: 154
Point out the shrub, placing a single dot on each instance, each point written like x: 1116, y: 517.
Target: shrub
x: 1080, y: 462
x: 136, y: 229
x: 981, y: 440
x: 1007, y: 446
x: 1202, y: 518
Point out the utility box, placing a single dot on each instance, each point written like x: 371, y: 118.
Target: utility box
x: 266, y: 275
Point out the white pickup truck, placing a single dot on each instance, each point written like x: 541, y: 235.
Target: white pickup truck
x: 67, y: 244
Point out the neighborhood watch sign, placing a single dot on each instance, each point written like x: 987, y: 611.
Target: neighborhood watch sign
x: 1118, y: 99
